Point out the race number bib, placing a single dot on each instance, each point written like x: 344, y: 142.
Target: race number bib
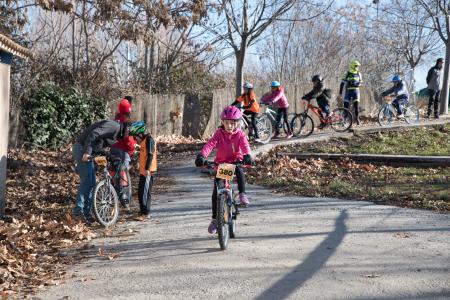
x: 100, y: 161
x: 225, y: 171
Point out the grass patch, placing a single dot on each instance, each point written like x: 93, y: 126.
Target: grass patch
x: 406, y: 186
x: 426, y: 141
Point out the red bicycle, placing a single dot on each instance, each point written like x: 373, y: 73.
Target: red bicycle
x: 340, y: 119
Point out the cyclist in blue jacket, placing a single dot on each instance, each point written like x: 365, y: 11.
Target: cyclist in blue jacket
x: 400, y: 91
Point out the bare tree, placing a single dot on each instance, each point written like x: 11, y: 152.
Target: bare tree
x: 405, y: 28
x: 245, y: 21
x: 439, y: 12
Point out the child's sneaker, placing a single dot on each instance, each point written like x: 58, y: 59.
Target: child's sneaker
x: 243, y: 199
x: 212, y: 228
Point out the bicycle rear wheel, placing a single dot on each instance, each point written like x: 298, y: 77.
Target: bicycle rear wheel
x: 264, y: 126
x: 222, y: 221
x: 412, y: 114
x: 232, y: 226
x: 105, y: 203
x: 341, y: 120
x: 302, y: 125
x: 386, y: 115
x: 128, y: 189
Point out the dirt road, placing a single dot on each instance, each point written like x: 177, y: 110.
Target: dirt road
x: 287, y: 248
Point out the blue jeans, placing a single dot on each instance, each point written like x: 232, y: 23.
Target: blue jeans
x: 86, y: 170
x: 399, y: 103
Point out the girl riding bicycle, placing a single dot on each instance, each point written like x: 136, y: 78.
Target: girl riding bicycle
x: 251, y: 106
x: 232, y: 146
x: 277, y: 96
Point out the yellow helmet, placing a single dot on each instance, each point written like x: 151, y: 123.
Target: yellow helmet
x: 354, y: 63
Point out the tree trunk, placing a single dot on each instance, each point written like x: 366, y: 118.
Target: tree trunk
x: 444, y: 94
x: 240, y: 58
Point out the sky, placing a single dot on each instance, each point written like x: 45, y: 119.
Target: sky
x: 420, y: 73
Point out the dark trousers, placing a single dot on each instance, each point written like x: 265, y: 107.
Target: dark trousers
x: 355, y: 107
x: 282, y: 112
x: 399, y: 104
x: 240, y: 176
x: 433, y: 100
x: 145, y: 193
x: 252, y: 115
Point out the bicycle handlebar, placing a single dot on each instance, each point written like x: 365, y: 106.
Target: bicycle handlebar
x: 236, y: 163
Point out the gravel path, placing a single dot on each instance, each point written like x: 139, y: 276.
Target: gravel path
x: 286, y: 248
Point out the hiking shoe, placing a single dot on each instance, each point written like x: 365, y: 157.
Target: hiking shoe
x: 212, y: 228
x: 90, y: 219
x: 79, y: 218
x: 289, y: 136
x: 243, y: 200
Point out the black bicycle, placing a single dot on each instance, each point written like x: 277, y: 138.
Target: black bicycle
x: 227, y: 203
x: 110, y: 190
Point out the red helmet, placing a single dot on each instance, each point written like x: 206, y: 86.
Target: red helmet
x: 231, y: 113
x: 124, y: 106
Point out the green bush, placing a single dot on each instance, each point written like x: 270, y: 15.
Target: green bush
x: 53, y: 115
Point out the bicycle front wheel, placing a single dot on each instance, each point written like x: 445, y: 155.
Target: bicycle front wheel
x: 386, y: 115
x: 302, y: 125
x: 105, y: 203
x: 341, y: 120
x: 264, y: 126
x: 222, y: 221
x: 412, y: 114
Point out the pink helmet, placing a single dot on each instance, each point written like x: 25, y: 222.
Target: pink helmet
x: 231, y: 113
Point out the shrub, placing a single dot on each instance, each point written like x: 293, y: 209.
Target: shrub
x: 52, y: 115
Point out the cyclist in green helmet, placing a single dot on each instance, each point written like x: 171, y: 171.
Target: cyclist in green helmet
x: 352, y: 82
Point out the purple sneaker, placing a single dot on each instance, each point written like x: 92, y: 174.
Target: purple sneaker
x: 212, y: 228
x: 243, y: 199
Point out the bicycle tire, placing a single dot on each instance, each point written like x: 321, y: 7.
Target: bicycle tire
x: 265, y: 130
x: 302, y: 126
x: 222, y: 221
x: 233, y: 224
x: 386, y: 115
x: 341, y: 120
x: 129, y: 189
x: 104, y: 198
x: 412, y: 114
x: 290, y: 116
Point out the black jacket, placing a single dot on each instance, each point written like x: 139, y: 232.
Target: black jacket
x: 319, y: 92
x: 100, y: 135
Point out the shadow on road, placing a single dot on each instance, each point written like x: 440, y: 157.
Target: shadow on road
x: 311, y: 265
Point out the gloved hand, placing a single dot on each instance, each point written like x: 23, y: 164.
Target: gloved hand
x: 200, y: 160
x: 247, y: 160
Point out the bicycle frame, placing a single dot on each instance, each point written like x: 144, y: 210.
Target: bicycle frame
x: 316, y: 110
x: 224, y: 188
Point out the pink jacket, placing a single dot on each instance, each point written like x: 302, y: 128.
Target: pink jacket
x: 231, y: 147
x: 276, y: 97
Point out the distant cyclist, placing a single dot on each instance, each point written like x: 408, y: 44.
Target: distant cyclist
x: 250, y: 106
x: 352, y: 82
x: 232, y: 146
x: 321, y: 94
x: 278, y: 97
x: 400, y: 91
